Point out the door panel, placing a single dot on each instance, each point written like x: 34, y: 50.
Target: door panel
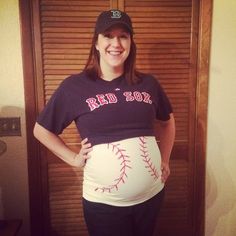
x: 163, y: 32
x: 66, y: 29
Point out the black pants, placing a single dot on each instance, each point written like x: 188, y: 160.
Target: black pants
x: 137, y: 220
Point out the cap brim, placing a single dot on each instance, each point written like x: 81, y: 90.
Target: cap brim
x: 111, y: 24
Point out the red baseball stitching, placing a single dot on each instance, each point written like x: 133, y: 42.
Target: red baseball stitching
x: 123, y: 171
x: 149, y: 165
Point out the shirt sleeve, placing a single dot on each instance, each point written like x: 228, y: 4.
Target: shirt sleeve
x: 58, y: 112
x: 164, y: 107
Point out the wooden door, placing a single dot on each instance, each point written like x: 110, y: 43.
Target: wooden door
x: 166, y: 46
x: 168, y: 43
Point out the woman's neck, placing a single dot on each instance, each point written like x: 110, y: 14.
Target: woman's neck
x: 110, y: 74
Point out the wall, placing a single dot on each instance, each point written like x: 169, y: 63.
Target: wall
x: 221, y: 147
x: 13, y: 163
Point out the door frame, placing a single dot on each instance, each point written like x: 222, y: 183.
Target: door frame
x: 38, y: 208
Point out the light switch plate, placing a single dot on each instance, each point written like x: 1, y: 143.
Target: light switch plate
x: 10, y: 126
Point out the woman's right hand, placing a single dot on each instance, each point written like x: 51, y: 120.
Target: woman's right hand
x: 56, y: 145
x: 81, y: 157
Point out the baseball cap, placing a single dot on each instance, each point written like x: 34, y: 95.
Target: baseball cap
x: 112, y: 17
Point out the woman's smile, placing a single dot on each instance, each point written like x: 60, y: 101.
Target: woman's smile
x: 115, y: 53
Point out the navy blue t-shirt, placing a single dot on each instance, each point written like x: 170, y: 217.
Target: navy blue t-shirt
x: 106, y: 111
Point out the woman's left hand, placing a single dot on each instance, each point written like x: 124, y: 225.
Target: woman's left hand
x: 165, y: 168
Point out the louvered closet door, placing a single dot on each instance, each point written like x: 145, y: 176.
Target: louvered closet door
x: 66, y: 33
x: 166, y: 48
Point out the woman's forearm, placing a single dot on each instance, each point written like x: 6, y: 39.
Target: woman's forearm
x: 54, y: 143
x: 166, y: 135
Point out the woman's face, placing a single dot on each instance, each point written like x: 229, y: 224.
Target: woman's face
x: 114, y: 48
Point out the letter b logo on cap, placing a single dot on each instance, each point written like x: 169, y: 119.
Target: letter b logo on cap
x: 116, y: 14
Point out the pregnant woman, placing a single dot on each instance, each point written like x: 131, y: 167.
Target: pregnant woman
x: 115, y: 108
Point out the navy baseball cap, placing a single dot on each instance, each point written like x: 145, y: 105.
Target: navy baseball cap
x: 112, y: 17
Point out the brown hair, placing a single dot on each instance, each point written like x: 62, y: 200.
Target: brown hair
x: 93, y: 69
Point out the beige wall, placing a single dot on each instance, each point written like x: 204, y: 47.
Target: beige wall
x: 13, y: 163
x: 221, y: 148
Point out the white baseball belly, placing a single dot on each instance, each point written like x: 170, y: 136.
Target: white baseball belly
x: 123, y: 173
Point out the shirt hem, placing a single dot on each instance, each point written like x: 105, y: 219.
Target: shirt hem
x: 124, y: 203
